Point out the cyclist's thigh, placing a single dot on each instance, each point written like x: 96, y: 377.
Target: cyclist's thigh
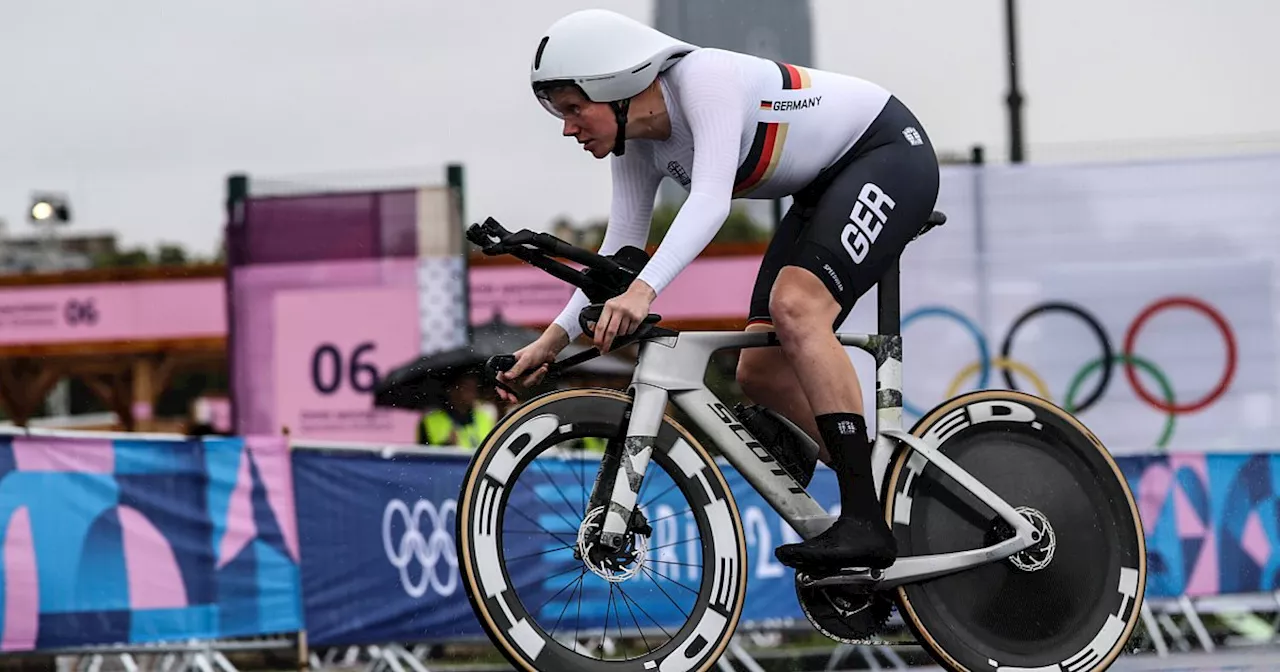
x: 781, y: 248
x: 872, y: 208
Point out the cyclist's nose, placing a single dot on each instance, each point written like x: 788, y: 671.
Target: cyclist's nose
x: 570, y: 128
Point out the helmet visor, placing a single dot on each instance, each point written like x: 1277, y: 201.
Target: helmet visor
x: 561, y: 98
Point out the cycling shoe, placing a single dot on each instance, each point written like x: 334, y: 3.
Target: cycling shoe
x: 849, y: 542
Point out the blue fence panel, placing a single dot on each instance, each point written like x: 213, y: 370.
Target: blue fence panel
x: 1211, y: 521
x: 378, y: 538
x: 113, y: 541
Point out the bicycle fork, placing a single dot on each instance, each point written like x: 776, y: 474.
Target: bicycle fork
x: 622, y: 470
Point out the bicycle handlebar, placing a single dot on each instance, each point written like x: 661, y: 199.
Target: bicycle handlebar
x: 605, y: 278
x: 494, y: 239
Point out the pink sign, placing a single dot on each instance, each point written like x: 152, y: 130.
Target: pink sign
x: 255, y: 390
x: 711, y: 288
x: 331, y: 348
x: 113, y: 312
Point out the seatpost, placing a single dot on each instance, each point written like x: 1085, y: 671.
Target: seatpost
x: 889, y: 302
x: 888, y: 354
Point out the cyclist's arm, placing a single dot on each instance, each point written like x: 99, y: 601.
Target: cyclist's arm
x: 635, y: 184
x: 712, y: 101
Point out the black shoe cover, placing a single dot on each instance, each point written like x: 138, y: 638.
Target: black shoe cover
x: 849, y: 542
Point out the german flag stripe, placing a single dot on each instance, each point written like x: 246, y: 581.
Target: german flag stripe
x: 766, y: 104
x: 762, y: 159
x: 793, y: 77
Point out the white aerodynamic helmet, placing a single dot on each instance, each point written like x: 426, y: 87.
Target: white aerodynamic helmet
x: 608, y: 56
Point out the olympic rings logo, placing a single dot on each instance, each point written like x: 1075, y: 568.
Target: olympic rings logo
x: 1073, y: 400
x: 428, y: 550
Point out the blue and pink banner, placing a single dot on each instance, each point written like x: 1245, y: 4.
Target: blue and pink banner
x: 1212, y: 521
x: 137, y: 540
x: 133, y: 541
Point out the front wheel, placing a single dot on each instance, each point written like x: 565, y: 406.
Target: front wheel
x: 1071, y: 601
x: 546, y: 595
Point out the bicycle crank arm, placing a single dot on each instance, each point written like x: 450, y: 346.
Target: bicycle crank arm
x: 854, y: 576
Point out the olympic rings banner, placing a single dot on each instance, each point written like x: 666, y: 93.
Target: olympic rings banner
x: 118, y: 540
x: 378, y: 537
x: 1146, y: 358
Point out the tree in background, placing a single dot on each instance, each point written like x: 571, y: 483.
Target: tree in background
x: 165, y: 254
x: 169, y: 254
x: 136, y: 257
x: 739, y: 226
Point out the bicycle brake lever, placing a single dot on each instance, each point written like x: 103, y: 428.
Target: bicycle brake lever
x: 498, y: 364
x: 590, y: 314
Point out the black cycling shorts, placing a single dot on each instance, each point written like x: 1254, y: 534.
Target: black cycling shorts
x: 849, y: 225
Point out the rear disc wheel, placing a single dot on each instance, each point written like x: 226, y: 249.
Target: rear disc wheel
x: 1071, y: 600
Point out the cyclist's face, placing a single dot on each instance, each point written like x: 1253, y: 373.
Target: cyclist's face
x: 591, y: 124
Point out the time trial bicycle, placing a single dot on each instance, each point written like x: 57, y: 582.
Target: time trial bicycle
x: 1020, y: 544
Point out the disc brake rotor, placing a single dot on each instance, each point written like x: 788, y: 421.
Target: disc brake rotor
x: 1040, y: 554
x: 614, y: 567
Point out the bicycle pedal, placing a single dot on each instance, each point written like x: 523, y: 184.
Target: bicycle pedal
x: 851, y: 576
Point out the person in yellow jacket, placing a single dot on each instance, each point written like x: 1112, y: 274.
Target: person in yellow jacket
x: 464, y: 420
x: 594, y: 444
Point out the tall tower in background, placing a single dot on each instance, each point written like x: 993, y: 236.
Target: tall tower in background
x: 767, y: 28
x: 773, y: 29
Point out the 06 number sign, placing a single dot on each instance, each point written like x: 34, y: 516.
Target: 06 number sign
x: 328, y: 371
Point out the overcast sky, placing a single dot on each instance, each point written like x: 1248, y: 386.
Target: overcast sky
x: 140, y: 109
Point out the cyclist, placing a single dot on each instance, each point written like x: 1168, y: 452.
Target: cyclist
x: 727, y: 125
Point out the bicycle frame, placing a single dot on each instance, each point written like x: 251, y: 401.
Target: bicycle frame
x: 672, y: 368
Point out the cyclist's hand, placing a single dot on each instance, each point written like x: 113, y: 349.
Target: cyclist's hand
x: 531, y: 362
x: 622, y: 314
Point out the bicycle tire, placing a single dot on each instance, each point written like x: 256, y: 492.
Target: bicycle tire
x: 1076, y: 615
x: 482, y: 505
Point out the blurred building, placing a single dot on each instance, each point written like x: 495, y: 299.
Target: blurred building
x: 30, y: 254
